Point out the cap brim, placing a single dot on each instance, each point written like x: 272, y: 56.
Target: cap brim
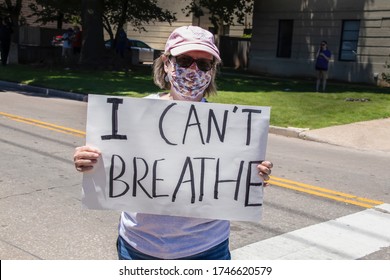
x: 194, y: 47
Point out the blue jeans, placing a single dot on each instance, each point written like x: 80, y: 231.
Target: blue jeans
x: 218, y: 252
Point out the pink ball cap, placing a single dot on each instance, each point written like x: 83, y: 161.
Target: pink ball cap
x: 191, y: 38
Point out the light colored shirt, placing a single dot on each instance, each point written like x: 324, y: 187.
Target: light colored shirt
x: 171, y: 237
x: 66, y: 43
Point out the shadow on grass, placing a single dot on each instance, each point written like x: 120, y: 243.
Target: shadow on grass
x: 138, y: 81
x: 134, y: 82
x: 239, y: 81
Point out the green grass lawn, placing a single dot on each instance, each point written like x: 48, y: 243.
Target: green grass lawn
x: 293, y: 102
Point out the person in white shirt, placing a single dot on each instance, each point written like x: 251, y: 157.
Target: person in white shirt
x: 67, y: 43
x: 187, y: 70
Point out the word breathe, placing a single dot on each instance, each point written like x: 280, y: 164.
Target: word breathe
x: 119, y: 187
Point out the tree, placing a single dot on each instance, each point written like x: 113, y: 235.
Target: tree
x: 222, y: 12
x: 115, y: 13
x: 11, y: 9
x: 60, y: 11
x: 92, y: 51
x: 98, y: 14
x: 135, y: 12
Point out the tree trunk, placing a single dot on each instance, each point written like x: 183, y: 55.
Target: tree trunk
x: 13, y: 9
x: 92, y: 52
x: 60, y: 20
x: 122, y: 20
x: 220, y: 30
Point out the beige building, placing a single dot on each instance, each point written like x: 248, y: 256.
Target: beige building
x: 286, y: 36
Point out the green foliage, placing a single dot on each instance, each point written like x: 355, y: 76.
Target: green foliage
x: 82, y: 81
x: 293, y: 102
x: 136, y: 12
x: 115, y: 13
x: 60, y: 11
x: 96, y: 15
x: 222, y: 12
x: 11, y: 10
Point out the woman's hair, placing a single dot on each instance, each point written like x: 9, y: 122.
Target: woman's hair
x: 161, y: 80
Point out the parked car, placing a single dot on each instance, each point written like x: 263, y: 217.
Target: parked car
x: 146, y: 53
x: 57, y: 41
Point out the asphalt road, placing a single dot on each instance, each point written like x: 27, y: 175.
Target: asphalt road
x: 41, y: 216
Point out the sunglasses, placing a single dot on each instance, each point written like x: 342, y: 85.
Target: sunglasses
x: 186, y: 61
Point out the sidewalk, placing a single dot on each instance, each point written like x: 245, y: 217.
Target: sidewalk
x: 369, y: 135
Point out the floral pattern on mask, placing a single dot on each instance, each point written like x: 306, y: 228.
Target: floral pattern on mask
x: 189, y: 83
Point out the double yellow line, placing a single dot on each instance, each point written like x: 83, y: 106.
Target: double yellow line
x: 45, y: 125
x: 326, y: 193
x: 275, y: 181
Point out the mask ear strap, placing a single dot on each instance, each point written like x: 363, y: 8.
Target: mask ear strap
x: 166, y: 60
x: 166, y: 65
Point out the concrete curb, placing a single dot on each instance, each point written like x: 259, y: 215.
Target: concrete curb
x: 307, y: 137
x: 45, y: 91
x: 289, y: 131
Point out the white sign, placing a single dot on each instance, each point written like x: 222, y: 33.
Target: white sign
x: 194, y: 159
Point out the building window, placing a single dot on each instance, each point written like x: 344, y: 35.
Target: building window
x: 349, y: 40
x: 285, y: 36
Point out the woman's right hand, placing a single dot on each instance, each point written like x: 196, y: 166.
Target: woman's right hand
x: 85, y: 158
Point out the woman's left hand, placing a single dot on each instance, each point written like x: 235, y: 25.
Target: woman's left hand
x: 265, y: 170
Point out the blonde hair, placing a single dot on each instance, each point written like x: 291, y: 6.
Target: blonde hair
x: 160, y: 76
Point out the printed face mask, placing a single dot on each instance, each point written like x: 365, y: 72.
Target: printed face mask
x: 189, y: 83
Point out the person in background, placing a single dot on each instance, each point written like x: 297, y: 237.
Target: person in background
x: 67, y: 44
x: 121, y: 43
x: 322, y: 62
x: 187, y: 70
x: 77, y: 40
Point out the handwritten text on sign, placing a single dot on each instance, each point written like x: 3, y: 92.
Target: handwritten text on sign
x: 176, y: 158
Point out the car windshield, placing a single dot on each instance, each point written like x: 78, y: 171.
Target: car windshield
x: 140, y: 44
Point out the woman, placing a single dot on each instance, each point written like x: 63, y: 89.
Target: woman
x: 187, y: 69
x: 322, y: 62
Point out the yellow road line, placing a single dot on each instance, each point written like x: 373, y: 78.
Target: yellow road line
x: 45, y: 125
x: 326, y: 193
x: 276, y: 181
